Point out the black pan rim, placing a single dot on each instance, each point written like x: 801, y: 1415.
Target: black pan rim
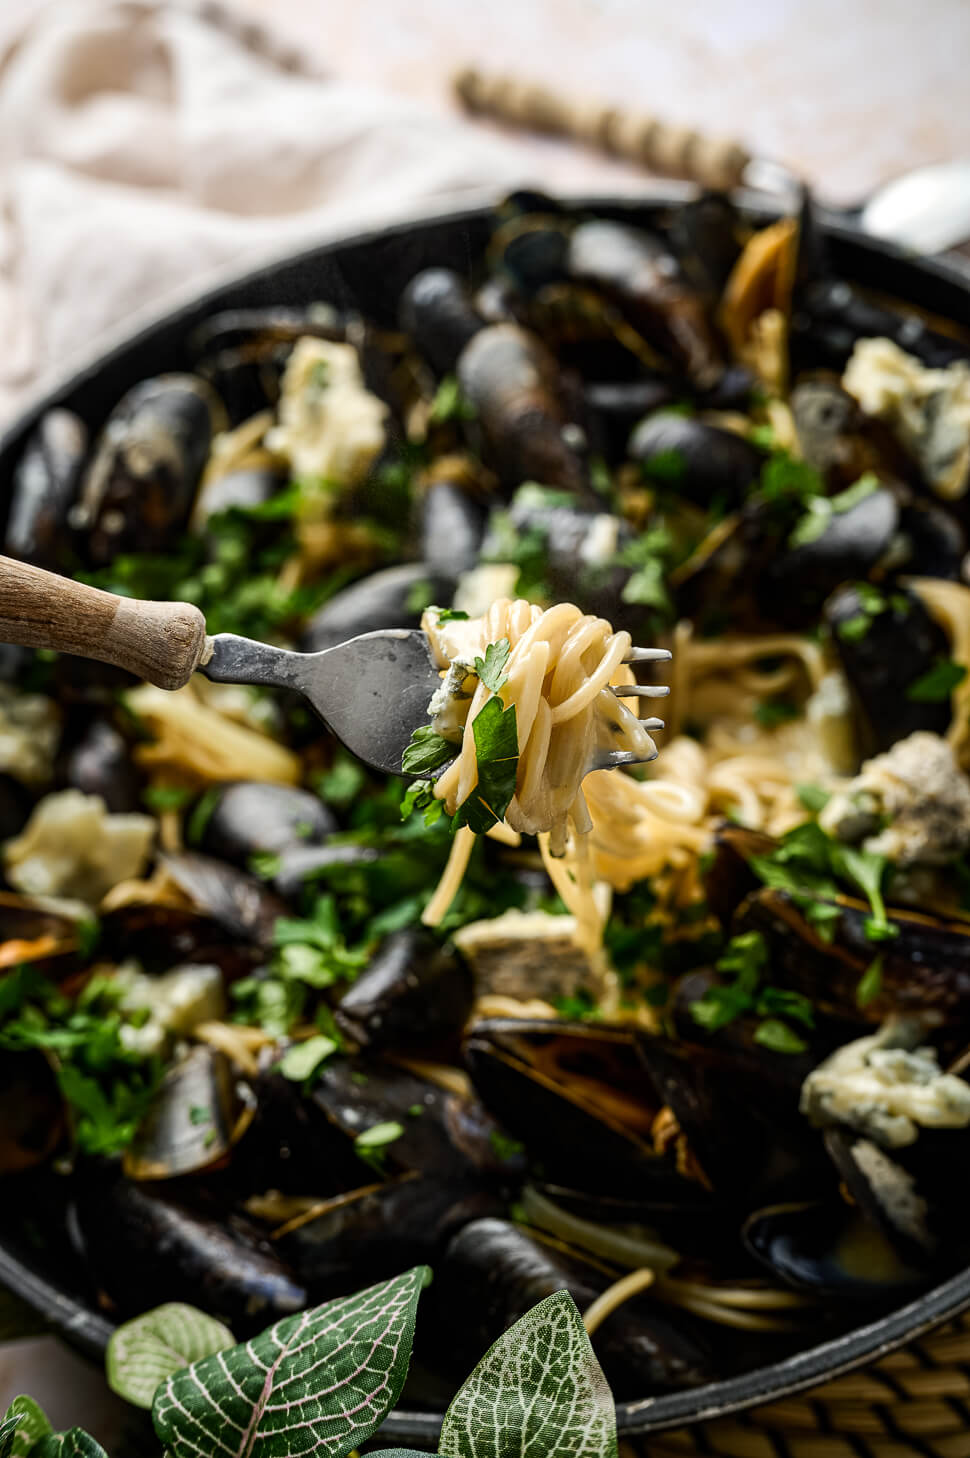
x: 89, y: 1330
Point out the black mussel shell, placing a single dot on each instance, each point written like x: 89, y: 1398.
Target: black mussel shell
x: 242, y: 904
x: 190, y: 1122
x: 494, y: 1272
x: 578, y: 1096
x: 532, y: 249
x: 245, y: 488
x: 885, y: 1193
x: 45, y: 484
x: 936, y: 543
x: 828, y: 1249
x: 380, y: 1229
x: 248, y: 818
x: 162, y: 937
x: 882, y: 654
x: 795, y: 582
x: 728, y: 877
x: 298, y: 864
x: 708, y: 235
x: 32, y: 1122
x: 143, y: 1247
x: 99, y: 763
x: 925, y: 966
x: 451, y: 530
x: 701, y: 462
x: 413, y: 991
x: 141, y: 480
x: 614, y: 407
x: 437, y: 311
x: 455, y: 1138
x: 511, y: 380
x: 241, y: 328
x: 16, y: 803
x: 385, y: 599
x: 830, y: 316
x: 638, y: 270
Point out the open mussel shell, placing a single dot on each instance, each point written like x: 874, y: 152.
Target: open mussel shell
x: 511, y: 380
x: 381, y: 1229
x: 392, y: 598
x: 192, y: 1122
x: 33, y: 933
x: 494, y: 1272
x: 242, y: 353
x: 829, y: 1249
x: 436, y: 310
x: 728, y: 877
x: 935, y: 542
x: 249, y: 817
x: 708, y: 234
x: 414, y: 991
x: 925, y: 966
x: 141, y: 480
x: 161, y: 936
x: 638, y: 271
x: 701, y: 462
x: 579, y: 1097
x: 32, y: 1120
x: 143, y: 1248
x: 882, y: 655
x: 886, y: 1193
x: 613, y: 408
x: 45, y: 484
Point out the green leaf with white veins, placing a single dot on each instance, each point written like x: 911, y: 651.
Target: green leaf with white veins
x: 143, y: 1352
x: 24, y: 1423
x: 319, y: 1382
x: 538, y: 1391
x: 75, y: 1443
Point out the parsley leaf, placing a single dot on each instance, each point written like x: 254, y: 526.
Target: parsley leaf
x: 452, y: 615
x: 490, y: 669
x: 449, y: 403
x: 769, y: 713
x: 821, y: 509
x: 870, y: 984
x: 746, y: 956
x: 419, y: 795
x: 938, y: 683
x: 497, y: 751
x: 301, y: 1061
x: 778, y: 1036
x: 340, y: 785
x: 783, y: 478
x: 427, y: 751
x: 813, y: 797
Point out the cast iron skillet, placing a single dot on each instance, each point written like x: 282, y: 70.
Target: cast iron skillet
x: 368, y: 273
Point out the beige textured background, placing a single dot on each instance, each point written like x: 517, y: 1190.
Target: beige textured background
x: 847, y: 92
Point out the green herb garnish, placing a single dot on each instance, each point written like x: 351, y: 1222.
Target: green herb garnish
x: 491, y: 668
x: 497, y: 752
x: 870, y: 984
x: 428, y: 750
x: 301, y: 1062
x: 937, y: 684
x: 449, y: 403
x: 770, y: 713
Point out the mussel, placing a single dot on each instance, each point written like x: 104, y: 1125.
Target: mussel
x: 638, y: 270
x: 32, y: 1121
x: 99, y: 762
x: 437, y: 311
x: 144, y: 1248
x: 826, y: 1248
x: 701, y: 462
x: 885, y: 643
x: 248, y: 818
x: 510, y: 379
x: 494, y: 1272
x: 190, y: 1122
x: 45, y: 484
x: 452, y: 527
x: 414, y: 991
x: 392, y: 598
x: 141, y: 480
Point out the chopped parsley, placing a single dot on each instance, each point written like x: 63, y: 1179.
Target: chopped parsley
x: 497, y: 752
x: 870, y: 984
x: 301, y: 1061
x: 649, y: 556
x: 428, y: 750
x: 420, y: 595
x: 783, y: 479
x: 108, y: 1084
x: 166, y: 797
x: 491, y: 668
x: 449, y: 403
x: 937, y: 684
x: 667, y: 466
x: 813, y: 797
x: 503, y: 1146
x: 451, y: 615
x: 372, y: 1144
x: 821, y: 509
x: 340, y: 785
x: 873, y: 602
x: 770, y: 713
x: 746, y: 956
x: 809, y: 866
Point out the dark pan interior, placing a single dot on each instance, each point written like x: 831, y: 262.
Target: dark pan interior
x: 368, y: 273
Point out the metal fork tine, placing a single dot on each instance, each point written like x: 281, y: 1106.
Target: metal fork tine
x: 641, y: 690
x: 651, y: 724
x: 648, y: 655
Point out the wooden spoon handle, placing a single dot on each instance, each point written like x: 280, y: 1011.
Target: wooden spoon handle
x: 162, y: 642
x: 639, y: 137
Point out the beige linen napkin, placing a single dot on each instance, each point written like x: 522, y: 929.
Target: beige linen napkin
x: 145, y: 146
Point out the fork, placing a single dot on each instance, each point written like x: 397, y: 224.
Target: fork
x: 372, y: 692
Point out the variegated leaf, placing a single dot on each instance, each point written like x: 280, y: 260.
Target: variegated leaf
x: 75, y: 1443
x: 146, y: 1350
x: 539, y: 1392
x: 319, y: 1382
x: 24, y: 1423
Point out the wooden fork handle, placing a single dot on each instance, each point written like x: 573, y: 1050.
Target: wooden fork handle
x: 673, y: 151
x: 161, y: 642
